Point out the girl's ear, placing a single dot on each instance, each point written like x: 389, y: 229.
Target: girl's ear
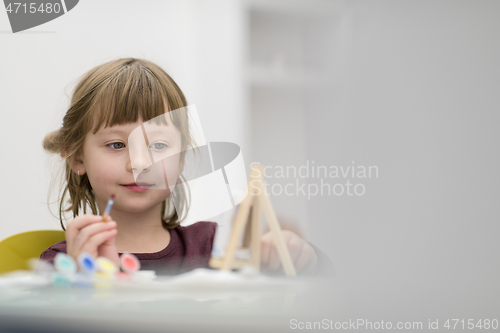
x: 64, y: 152
x: 76, y: 163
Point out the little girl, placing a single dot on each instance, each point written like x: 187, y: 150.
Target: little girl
x: 108, y: 103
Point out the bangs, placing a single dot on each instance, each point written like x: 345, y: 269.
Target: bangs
x: 132, y: 93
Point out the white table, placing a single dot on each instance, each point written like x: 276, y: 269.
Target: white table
x: 169, y: 304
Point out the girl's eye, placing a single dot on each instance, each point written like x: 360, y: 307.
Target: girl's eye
x: 159, y: 146
x: 116, y: 145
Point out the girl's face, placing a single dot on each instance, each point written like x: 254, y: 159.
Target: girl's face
x: 138, y: 162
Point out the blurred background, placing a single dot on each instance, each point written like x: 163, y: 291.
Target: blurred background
x: 408, y: 87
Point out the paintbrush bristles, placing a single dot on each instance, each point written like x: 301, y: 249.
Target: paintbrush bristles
x: 111, y: 200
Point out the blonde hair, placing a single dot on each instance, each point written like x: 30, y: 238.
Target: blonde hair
x: 114, y: 93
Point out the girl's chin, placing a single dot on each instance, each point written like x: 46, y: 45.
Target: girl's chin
x: 140, y: 210
x: 138, y: 206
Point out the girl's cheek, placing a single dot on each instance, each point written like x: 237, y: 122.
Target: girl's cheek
x: 172, y: 173
x: 106, y: 172
x: 163, y: 174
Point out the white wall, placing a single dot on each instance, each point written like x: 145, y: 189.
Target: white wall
x: 195, y: 41
x: 415, y: 92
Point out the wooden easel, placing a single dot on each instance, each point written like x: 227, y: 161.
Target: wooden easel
x: 250, y: 229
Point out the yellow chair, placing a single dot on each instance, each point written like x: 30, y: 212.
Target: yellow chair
x: 17, y: 249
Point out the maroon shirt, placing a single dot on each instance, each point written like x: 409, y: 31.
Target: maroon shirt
x: 189, y: 248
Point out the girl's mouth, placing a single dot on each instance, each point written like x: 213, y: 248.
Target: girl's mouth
x: 138, y: 187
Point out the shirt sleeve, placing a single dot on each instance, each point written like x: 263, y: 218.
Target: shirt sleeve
x: 49, y: 254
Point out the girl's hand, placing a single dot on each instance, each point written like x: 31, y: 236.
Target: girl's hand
x: 89, y: 234
x: 303, y: 255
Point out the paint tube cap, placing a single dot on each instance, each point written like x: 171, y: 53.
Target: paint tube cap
x: 87, y: 263
x: 105, y: 265
x: 60, y: 280
x: 130, y: 263
x: 65, y: 264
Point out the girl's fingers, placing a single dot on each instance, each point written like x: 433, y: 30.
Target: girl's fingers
x: 274, y: 260
x: 294, y: 247
x: 81, y: 221
x: 301, y: 253
x: 93, y: 243
x: 266, y: 244
x: 90, y: 230
x: 307, y: 258
x: 73, y: 227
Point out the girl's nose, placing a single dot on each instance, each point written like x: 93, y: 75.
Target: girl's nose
x: 140, y: 158
x: 139, y: 163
